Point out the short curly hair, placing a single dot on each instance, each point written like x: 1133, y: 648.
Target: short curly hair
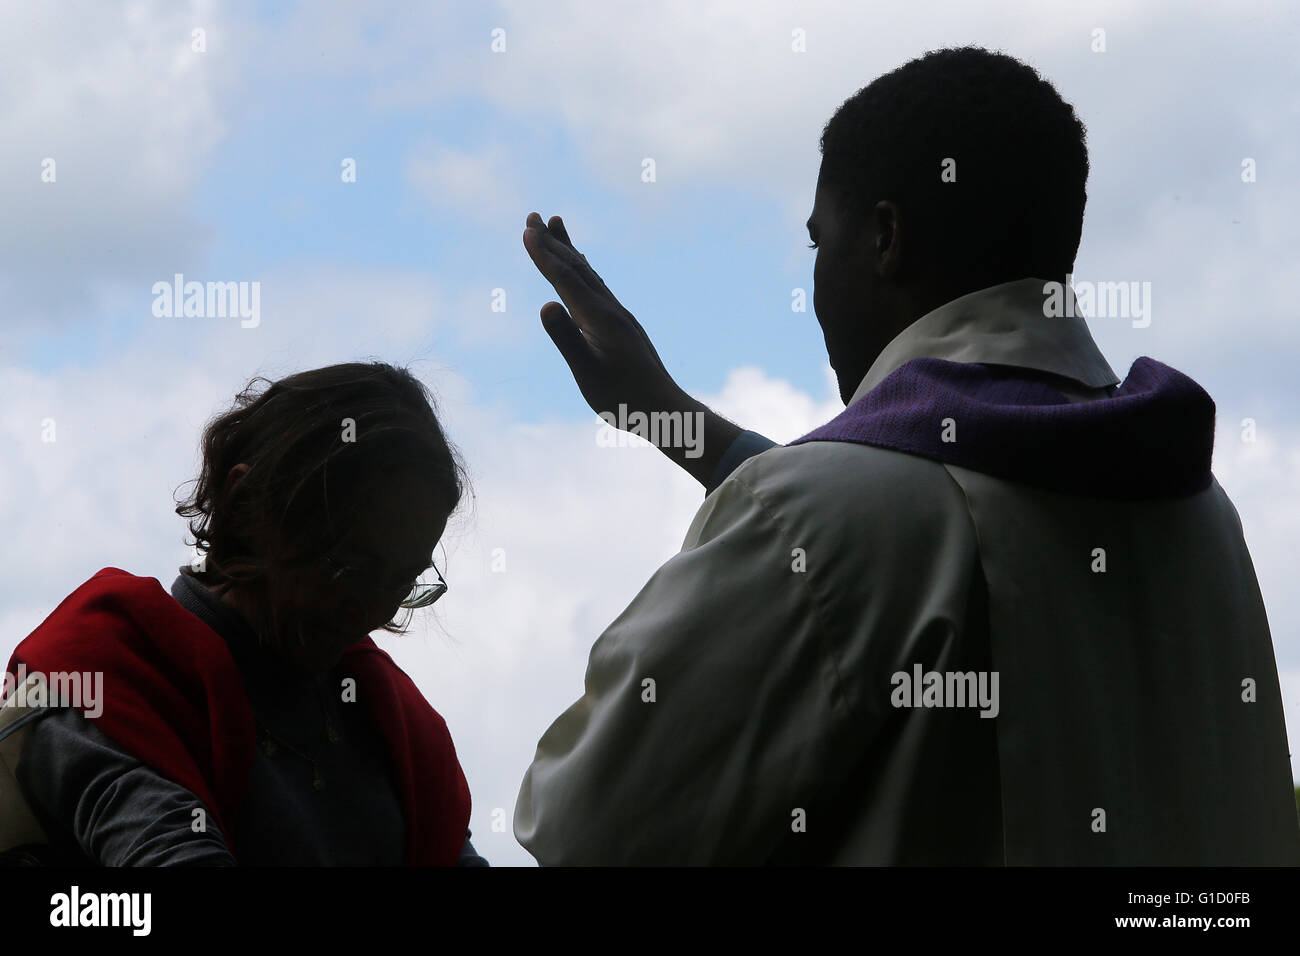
x: 1015, y: 209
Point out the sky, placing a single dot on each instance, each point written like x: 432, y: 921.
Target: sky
x: 225, y: 155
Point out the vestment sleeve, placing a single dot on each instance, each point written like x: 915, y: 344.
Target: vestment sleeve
x: 709, y: 710
x: 746, y: 446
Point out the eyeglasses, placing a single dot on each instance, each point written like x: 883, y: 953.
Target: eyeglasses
x: 418, y: 593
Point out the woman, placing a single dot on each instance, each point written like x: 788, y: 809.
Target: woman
x: 247, y: 717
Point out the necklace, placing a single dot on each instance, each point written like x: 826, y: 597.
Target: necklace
x: 271, y: 743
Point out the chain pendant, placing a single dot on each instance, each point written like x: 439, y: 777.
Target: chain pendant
x: 317, y: 781
x: 331, y: 733
x: 269, y: 748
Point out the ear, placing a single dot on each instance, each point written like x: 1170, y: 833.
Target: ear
x: 232, y: 478
x: 887, y: 240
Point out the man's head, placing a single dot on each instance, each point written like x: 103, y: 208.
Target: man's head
x: 959, y: 170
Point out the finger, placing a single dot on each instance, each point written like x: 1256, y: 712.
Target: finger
x: 556, y: 228
x: 533, y: 225
x: 579, y: 288
x: 555, y: 231
x: 557, y: 239
x: 568, y: 338
x: 549, y: 254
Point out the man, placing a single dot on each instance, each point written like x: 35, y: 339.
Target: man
x: 997, y: 612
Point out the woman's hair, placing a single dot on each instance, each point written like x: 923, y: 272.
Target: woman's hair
x: 313, y: 441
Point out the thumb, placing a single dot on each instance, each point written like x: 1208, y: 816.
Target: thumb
x: 568, y: 338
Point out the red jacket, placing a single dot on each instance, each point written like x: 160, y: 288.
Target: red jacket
x: 174, y: 698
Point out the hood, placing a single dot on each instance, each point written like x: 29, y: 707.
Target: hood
x: 1153, y: 437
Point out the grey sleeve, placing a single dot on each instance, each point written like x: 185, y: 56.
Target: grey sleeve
x: 120, y: 812
x: 746, y: 446
x: 468, y: 855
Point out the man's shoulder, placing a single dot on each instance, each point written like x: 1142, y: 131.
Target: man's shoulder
x: 820, y: 469
x: 856, y: 488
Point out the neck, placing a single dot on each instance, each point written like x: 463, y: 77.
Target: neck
x: 238, y: 601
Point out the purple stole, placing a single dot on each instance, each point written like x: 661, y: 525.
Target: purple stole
x: 1152, y: 438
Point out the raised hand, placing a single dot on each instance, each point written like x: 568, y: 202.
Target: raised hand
x: 610, y: 355
x: 607, y: 350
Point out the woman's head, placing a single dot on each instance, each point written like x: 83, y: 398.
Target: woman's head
x: 343, y: 467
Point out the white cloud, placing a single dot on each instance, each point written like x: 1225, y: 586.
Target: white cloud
x: 482, y: 184
x: 1261, y: 478
x: 129, y: 114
